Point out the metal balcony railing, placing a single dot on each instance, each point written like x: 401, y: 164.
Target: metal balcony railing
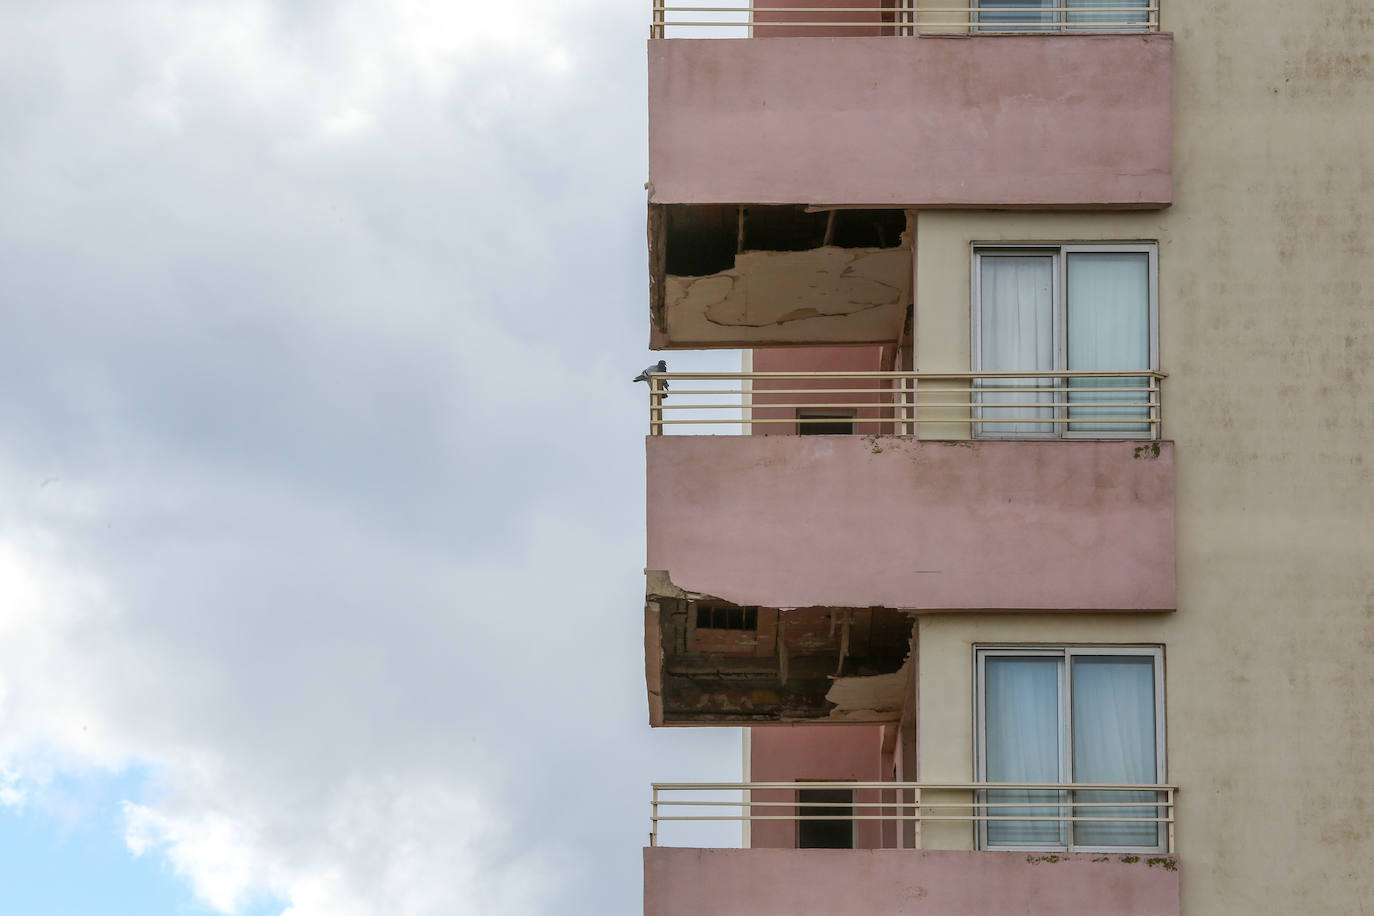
x: 1093, y: 404
x: 906, y: 18
x: 1086, y: 816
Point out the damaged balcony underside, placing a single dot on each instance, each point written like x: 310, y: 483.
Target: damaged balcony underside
x: 758, y: 276
x: 794, y: 665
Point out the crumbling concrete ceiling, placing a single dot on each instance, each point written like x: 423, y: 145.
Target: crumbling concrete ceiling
x: 777, y: 275
x: 712, y: 662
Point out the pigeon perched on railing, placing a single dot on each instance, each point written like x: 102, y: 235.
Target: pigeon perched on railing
x: 660, y: 366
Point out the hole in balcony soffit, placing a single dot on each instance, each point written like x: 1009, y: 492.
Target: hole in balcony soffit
x: 703, y: 239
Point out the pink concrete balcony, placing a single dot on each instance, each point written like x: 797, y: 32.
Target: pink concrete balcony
x: 896, y: 522
x: 1116, y: 855
x: 1051, y: 119
x: 800, y: 882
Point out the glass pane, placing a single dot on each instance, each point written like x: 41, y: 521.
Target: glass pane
x: 1109, y: 328
x: 1123, y: 15
x: 1017, y: 316
x: 1017, y: 15
x: 1022, y: 728
x: 1114, y: 742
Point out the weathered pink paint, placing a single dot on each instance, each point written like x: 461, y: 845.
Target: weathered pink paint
x: 864, y: 882
x: 784, y: 753
x: 983, y: 121
x: 860, y: 521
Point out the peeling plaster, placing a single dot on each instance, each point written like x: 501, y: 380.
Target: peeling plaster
x: 870, y: 699
x: 826, y: 294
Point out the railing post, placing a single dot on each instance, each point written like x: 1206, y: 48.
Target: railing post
x: 655, y: 405
x: 656, y: 29
x: 653, y: 820
x: 909, y: 428
x: 916, y: 824
x: 1154, y: 407
x: 1169, y: 797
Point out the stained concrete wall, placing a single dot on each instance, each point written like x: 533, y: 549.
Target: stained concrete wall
x: 864, y: 882
x: 857, y: 521
x: 1082, y: 120
x: 1266, y: 298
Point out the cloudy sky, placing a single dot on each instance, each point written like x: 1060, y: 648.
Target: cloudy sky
x: 321, y: 474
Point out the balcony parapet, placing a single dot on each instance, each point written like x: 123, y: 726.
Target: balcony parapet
x: 1043, y: 121
x: 823, y: 882
x: 896, y: 522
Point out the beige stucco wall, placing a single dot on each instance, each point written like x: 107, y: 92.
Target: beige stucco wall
x: 1267, y: 331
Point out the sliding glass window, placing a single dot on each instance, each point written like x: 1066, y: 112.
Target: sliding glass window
x: 1074, y: 308
x: 1064, y: 716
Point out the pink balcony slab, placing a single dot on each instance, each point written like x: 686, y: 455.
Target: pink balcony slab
x: 861, y: 882
x: 874, y: 521
x: 1058, y: 121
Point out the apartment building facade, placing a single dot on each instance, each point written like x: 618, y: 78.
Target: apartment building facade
x: 1039, y: 558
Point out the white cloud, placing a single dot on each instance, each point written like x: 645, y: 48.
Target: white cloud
x: 13, y: 793
x: 212, y: 850
x: 320, y: 493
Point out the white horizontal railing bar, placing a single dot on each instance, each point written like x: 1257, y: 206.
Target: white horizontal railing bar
x: 887, y: 392
x: 1122, y: 421
x: 991, y: 28
x: 817, y: 817
x: 942, y: 389
x: 971, y: 818
x: 921, y: 376
x: 918, y: 11
x: 779, y: 392
x: 887, y: 405
x: 809, y: 405
x: 783, y: 25
x: 921, y: 786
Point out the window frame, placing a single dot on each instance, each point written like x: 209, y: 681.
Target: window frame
x: 1066, y: 651
x: 1058, y: 252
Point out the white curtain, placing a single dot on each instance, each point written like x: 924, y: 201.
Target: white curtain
x: 1127, y: 14
x: 1016, y: 318
x: 1108, y: 314
x: 1015, y: 14
x: 1083, y: 15
x: 1114, y: 742
x: 1022, y: 743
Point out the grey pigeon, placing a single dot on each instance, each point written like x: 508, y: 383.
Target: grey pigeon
x: 660, y: 366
